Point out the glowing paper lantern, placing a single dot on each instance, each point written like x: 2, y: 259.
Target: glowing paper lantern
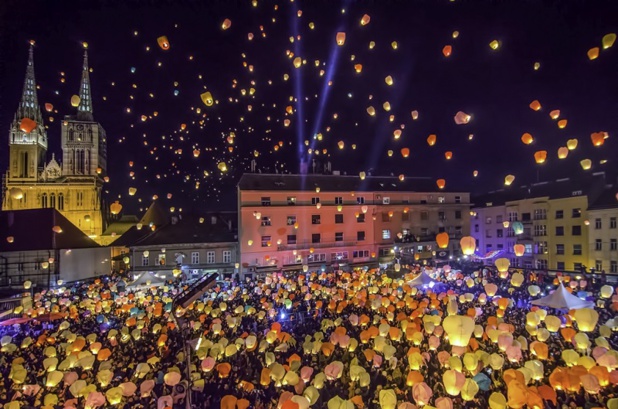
x: 405, y: 152
x: 598, y: 138
x: 527, y: 139
x: 608, y: 40
x: 447, y: 50
x: 459, y: 329
x: 207, y: 98
x: 448, y: 155
x: 431, y: 140
x: 519, y: 250
x: 371, y: 111
x: 509, y: 179
x: 563, y: 152
x: 535, y: 105
x: 468, y: 245
x: 607, y: 291
x: 593, y: 53
x: 518, y: 227
x: 540, y: 156
x: 442, y: 240
x: 365, y: 20
x: 340, y: 38
x: 461, y: 118
x: 115, y: 207
x: 562, y: 123
x: 75, y: 101
x: 414, y: 115
x: 586, y: 319
x: 388, y: 80
x: 441, y: 183
x: 494, y: 45
x: 27, y: 125
x: 586, y: 164
x: 572, y: 144
x: 163, y: 43
x: 502, y: 264
x: 227, y: 23
x: 517, y: 279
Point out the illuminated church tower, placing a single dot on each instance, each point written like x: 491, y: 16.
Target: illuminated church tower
x: 72, y: 187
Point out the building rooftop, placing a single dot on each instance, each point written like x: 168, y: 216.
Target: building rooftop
x: 338, y: 183
x: 608, y: 199
x: 558, y: 189
x: 33, y: 230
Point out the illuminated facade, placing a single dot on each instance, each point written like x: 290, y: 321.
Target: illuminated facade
x: 287, y: 222
x: 73, y: 187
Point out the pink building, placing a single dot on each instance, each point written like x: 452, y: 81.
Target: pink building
x: 287, y: 222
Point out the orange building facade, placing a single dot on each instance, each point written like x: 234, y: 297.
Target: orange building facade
x: 296, y: 222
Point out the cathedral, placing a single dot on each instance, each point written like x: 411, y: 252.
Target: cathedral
x: 72, y: 186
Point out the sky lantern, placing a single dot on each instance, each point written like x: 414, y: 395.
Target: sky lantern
x: 341, y: 144
x: 535, y: 105
x: 494, y: 45
x: 196, y: 153
x: 598, y: 138
x: 508, y: 179
x: 207, y: 98
x: 365, y: 20
x: 394, y: 45
x: 459, y: 329
x: 586, y: 164
x: 222, y: 166
x: 362, y: 175
x: 608, y: 40
x: 537, y: 66
x: 555, y: 114
x: 527, y: 139
x: 75, y: 101
x: 390, y: 152
x: 340, y: 38
x: 586, y: 319
x: 49, y: 107
x: 448, y: 155
x: 27, y: 125
x: 447, y: 50
x: 519, y: 250
x: 593, y: 53
x: 132, y: 191
x: 405, y: 152
x: 358, y: 68
x: 115, y: 207
x: 431, y: 140
x: 388, y: 80
x: 371, y: 111
x: 502, y: 264
x: 442, y: 240
x: 386, y: 106
x: 562, y: 123
x: 441, y: 183
x: 286, y: 122
x: 227, y: 23
x: 414, y: 115
x: 563, y: 152
x: 397, y: 133
x: 475, y: 173
x: 468, y: 245
x: 518, y: 227
x: 298, y: 62
x: 461, y: 118
x: 572, y: 144
x: 540, y: 156
x: 163, y: 43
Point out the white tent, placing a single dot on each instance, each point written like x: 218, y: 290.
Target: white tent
x: 147, y: 279
x: 422, y: 280
x: 561, y: 299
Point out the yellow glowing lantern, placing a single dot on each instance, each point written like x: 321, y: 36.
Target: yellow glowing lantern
x: 586, y: 319
x: 388, y: 80
x: 371, y: 111
x: 468, y: 245
x: 132, y: 191
x: 502, y: 264
x: 163, y: 43
x: 586, y: 164
x: 509, y: 179
x: 459, y: 329
x: 75, y: 100
x: 207, y: 98
x: 494, y: 45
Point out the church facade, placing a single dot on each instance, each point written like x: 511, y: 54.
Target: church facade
x: 72, y: 186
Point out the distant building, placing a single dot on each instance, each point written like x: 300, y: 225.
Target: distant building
x: 603, y: 232
x: 45, y: 248
x: 550, y: 219
x: 73, y: 186
x: 173, y: 244
x: 287, y: 222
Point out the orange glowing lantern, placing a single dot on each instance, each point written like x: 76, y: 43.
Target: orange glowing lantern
x: 448, y: 155
x: 340, y: 38
x: 535, y: 105
x: 598, y: 138
x: 527, y: 138
x: 442, y: 240
x: 431, y: 140
x: 405, y: 152
x: 447, y: 50
x: 441, y: 183
x: 163, y: 43
x: 563, y: 152
x: 540, y: 156
x: 519, y: 250
x: 593, y: 53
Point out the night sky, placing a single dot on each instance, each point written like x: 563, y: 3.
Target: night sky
x: 133, y: 77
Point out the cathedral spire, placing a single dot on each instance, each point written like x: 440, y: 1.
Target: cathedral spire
x: 84, y: 110
x: 29, y: 104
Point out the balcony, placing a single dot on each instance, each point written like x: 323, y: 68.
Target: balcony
x: 427, y: 238
x: 321, y: 245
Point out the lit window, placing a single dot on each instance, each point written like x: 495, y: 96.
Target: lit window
x: 386, y: 234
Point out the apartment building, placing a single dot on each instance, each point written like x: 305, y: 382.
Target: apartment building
x: 287, y: 222
x: 550, y: 219
x: 603, y: 232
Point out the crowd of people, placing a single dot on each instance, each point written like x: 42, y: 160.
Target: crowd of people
x: 318, y: 339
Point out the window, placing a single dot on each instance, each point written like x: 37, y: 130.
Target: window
x: 525, y: 217
x: 386, y: 234
x: 575, y: 213
x: 266, y: 241
x: 499, y: 219
x: 291, y: 239
x: 343, y: 255
x: 386, y: 200
x: 457, y: 199
x: 598, y: 245
x: 291, y: 200
x: 540, y: 230
x: 500, y: 246
x: 315, y: 238
x: 385, y: 252
x: 360, y: 235
x: 145, y: 260
x: 512, y: 216
x: 315, y: 219
x: 265, y: 220
x: 540, y: 214
x: 405, y: 216
x: 195, y: 257
x: 577, y: 266
x: 458, y: 214
x: 499, y: 233
x: 441, y: 199
x: 52, y: 200
x: 360, y: 254
x: 424, y: 231
x: 613, y: 266
x: 541, y: 264
x: 488, y: 220
x: 315, y: 200
x: 385, y: 217
x: 612, y: 222
x: 576, y: 230
x: 316, y: 257
x: 360, y: 200
x: 441, y: 216
x: 338, y: 236
x: 598, y: 265
x: 338, y: 200
x: 560, y: 265
x: 44, y: 200
x: 210, y: 257
x: 476, y: 228
x: 541, y: 247
x: 227, y: 256
x: 266, y: 201
x: 424, y: 215
x: 559, y: 248
x: 338, y: 218
x: 162, y: 259
x: 441, y: 229
x: 60, y: 201
x: 488, y: 233
x: 361, y: 218
x: 458, y: 230
x: 559, y: 230
x: 597, y: 223
x: 559, y: 214
x: 488, y: 248
x: 291, y: 221
x: 577, y: 249
x: 613, y: 245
